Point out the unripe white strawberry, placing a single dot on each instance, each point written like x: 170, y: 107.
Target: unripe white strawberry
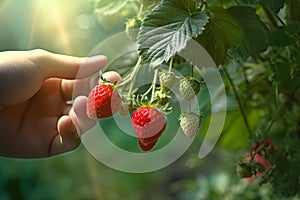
x: 189, y: 123
x: 189, y: 87
x: 167, y: 79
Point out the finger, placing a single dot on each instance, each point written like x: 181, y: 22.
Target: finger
x: 79, y: 116
x: 67, y: 89
x: 67, y: 139
x: 64, y: 66
x: 71, y: 88
x: 112, y: 76
x: 67, y: 109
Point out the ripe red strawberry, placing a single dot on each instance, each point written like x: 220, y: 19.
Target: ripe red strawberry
x: 258, y: 160
x: 256, y: 163
x: 263, y: 147
x: 148, y: 124
x: 103, y: 101
x: 149, y: 146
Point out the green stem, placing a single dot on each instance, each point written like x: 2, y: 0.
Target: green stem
x: 153, y: 84
x: 277, y: 93
x: 243, y: 112
x: 152, y: 87
x: 283, y: 24
x: 135, y: 71
x: 280, y: 20
x: 140, y: 10
x: 271, y: 18
x: 270, y: 126
x: 255, y: 152
x: 171, y: 64
x: 132, y: 76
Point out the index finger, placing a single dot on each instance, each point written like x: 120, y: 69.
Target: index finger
x: 64, y: 66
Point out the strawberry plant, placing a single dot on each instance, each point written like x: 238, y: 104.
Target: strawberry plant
x: 254, y: 43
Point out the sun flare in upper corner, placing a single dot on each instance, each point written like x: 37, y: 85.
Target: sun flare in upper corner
x: 49, y: 20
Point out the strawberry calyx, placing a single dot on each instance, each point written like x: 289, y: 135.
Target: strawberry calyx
x: 156, y: 103
x: 104, y: 81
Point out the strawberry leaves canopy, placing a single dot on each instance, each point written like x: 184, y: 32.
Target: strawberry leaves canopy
x: 164, y: 34
x: 222, y: 33
x: 255, y: 32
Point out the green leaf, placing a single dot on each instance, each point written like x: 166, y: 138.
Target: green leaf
x: 222, y: 32
x: 166, y: 30
x: 294, y: 10
x: 149, y: 3
x: 272, y: 5
x: 222, y: 3
x: 253, y: 2
x: 281, y: 38
x: 235, y: 135
x: 293, y: 28
x: 111, y: 14
x: 255, y: 31
x: 287, y: 83
x: 108, y: 7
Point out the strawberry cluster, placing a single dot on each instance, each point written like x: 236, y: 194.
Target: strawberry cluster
x: 148, y: 118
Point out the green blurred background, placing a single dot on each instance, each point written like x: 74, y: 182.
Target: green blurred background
x: 69, y: 27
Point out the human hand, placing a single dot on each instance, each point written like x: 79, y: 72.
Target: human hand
x: 35, y: 118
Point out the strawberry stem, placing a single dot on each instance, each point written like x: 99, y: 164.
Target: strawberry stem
x: 152, y: 87
x: 140, y: 10
x: 131, y: 78
x: 192, y: 70
x: 239, y: 101
x: 171, y: 64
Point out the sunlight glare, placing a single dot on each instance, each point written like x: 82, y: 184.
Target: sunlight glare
x: 3, y: 5
x: 51, y: 17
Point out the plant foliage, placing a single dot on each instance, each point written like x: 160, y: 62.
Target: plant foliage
x: 256, y: 45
